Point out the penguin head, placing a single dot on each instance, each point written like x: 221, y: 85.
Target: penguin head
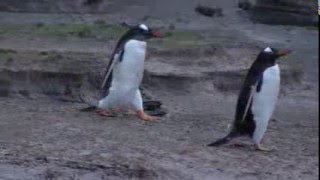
x: 144, y: 30
x: 272, y: 54
x: 141, y: 31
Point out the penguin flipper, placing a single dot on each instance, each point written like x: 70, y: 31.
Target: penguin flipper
x: 116, y: 57
x: 259, y: 84
x: 256, y: 87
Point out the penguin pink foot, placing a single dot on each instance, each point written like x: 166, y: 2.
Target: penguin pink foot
x: 105, y: 113
x: 259, y: 147
x: 142, y: 115
x: 131, y: 112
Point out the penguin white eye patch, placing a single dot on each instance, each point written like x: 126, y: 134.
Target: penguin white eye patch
x: 268, y: 49
x: 144, y: 27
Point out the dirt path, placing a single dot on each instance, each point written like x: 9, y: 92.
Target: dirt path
x: 48, y: 141
x: 43, y: 138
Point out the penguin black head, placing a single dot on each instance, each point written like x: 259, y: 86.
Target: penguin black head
x: 142, y: 29
x: 140, y: 32
x: 270, y: 55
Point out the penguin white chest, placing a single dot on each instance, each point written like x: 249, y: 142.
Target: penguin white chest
x: 265, y: 100
x: 126, y: 77
x: 129, y: 71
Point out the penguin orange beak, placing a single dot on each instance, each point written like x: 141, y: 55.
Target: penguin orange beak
x: 283, y: 52
x: 156, y: 34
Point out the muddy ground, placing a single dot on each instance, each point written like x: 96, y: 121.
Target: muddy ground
x: 196, y: 75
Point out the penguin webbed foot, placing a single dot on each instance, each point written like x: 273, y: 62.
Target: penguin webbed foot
x: 105, y: 113
x: 259, y: 147
x: 142, y: 115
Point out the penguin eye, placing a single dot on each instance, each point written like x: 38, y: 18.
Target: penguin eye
x: 144, y: 32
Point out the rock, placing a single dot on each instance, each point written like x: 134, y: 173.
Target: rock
x: 284, y: 12
x: 209, y: 11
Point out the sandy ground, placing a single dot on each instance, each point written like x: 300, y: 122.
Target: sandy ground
x: 52, y: 142
x: 44, y: 138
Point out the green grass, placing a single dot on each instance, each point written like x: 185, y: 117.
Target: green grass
x: 99, y: 30
x: 183, y: 35
x: 178, y: 39
x: 7, y: 51
x: 7, y: 54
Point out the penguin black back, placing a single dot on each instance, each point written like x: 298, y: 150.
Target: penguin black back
x: 139, y: 32
x: 244, y: 123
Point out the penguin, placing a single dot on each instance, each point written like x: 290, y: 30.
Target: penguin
x: 257, y: 99
x: 124, y: 73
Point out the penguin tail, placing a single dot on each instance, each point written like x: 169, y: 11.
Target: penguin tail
x: 88, y: 109
x: 91, y: 106
x: 224, y: 140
